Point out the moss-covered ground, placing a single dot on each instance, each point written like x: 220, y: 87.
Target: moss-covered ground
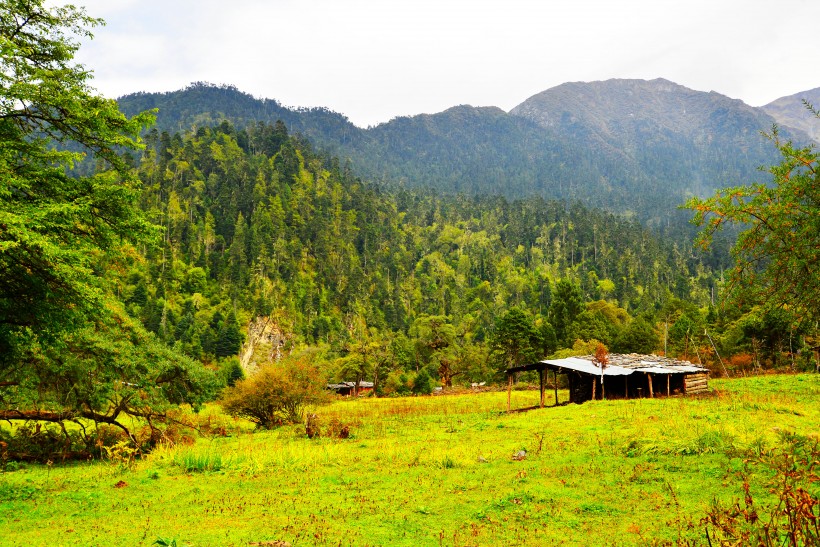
x: 426, y: 471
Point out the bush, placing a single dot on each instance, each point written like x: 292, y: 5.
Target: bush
x: 423, y: 384
x: 278, y: 394
x: 397, y: 383
x: 792, y: 517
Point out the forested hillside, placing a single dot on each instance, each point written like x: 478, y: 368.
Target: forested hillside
x: 628, y: 146
x: 257, y: 224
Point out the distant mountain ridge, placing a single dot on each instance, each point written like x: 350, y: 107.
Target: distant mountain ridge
x: 792, y: 112
x: 632, y: 146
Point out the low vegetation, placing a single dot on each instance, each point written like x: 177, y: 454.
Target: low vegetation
x: 440, y: 471
x: 278, y: 394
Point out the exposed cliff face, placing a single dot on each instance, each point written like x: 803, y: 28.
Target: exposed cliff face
x: 265, y: 343
x: 792, y: 112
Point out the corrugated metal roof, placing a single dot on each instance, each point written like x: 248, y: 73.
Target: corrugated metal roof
x: 619, y: 365
x: 584, y: 365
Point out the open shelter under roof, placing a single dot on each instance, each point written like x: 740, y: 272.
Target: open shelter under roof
x: 623, y: 376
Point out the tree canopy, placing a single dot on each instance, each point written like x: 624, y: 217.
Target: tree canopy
x: 67, y: 348
x: 778, y: 251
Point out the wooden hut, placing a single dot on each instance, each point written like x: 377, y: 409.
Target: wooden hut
x: 625, y: 376
x: 346, y: 389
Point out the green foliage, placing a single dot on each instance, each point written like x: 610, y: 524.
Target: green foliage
x: 566, y: 307
x: 515, y: 340
x: 423, y: 383
x: 278, y: 394
x: 579, y: 348
x: 67, y: 349
x: 229, y: 337
x: 638, y: 337
x: 57, y: 233
x: 232, y: 371
x: 486, y: 151
x: 776, y: 251
x: 321, y: 250
x: 790, y: 473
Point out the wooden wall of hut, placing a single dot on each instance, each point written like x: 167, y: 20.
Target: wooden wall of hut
x: 696, y: 383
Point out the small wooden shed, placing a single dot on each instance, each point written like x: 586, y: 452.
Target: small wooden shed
x: 346, y: 389
x: 625, y: 376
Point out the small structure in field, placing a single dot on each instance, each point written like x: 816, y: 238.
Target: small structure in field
x: 624, y: 376
x: 346, y: 389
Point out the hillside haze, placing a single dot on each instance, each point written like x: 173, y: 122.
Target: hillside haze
x: 632, y: 146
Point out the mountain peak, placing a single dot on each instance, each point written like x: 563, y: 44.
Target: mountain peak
x: 624, y: 105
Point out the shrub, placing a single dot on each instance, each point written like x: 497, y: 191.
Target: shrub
x: 278, y: 394
x: 397, y: 383
x: 741, y: 361
x: 791, y: 475
x: 423, y: 384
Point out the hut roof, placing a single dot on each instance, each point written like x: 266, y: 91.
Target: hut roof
x: 617, y: 365
x: 344, y: 385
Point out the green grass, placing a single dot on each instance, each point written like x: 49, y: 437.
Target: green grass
x: 426, y: 471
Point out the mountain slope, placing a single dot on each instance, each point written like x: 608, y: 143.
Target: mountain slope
x: 202, y: 104
x: 791, y: 112
x: 655, y: 137
x: 632, y: 146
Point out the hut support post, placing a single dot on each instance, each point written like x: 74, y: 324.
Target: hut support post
x: 509, y: 390
x: 651, y: 392
x: 555, y: 384
x: 668, y: 380
x: 541, y: 374
x: 593, y: 388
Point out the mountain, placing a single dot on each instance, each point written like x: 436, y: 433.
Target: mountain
x: 654, y: 139
x: 791, y: 112
x: 632, y: 146
x: 203, y: 104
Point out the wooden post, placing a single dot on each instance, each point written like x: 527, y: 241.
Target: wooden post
x: 668, y: 380
x: 593, y: 388
x: 651, y: 393
x: 541, y: 374
x: 509, y: 390
x: 603, y: 391
x: 555, y: 384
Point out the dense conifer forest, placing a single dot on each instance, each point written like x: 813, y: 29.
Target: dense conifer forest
x: 258, y: 225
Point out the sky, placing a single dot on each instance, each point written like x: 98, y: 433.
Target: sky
x: 373, y: 60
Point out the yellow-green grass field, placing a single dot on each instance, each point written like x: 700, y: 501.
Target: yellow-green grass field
x: 426, y: 471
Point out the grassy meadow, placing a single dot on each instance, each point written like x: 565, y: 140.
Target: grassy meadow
x: 425, y: 471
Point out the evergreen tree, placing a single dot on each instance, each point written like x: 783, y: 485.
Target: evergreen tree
x: 515, y: 341
x: 638, y: 337
x: 566, y: 307
x: 229, y: 340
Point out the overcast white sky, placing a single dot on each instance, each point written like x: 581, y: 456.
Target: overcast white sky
x: 373, y: 60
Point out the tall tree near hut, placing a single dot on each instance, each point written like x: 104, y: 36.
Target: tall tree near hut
x: 776, y: 255
x: 67, y: 348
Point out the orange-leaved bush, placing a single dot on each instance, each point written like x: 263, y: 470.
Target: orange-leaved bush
x: 278, y: 394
